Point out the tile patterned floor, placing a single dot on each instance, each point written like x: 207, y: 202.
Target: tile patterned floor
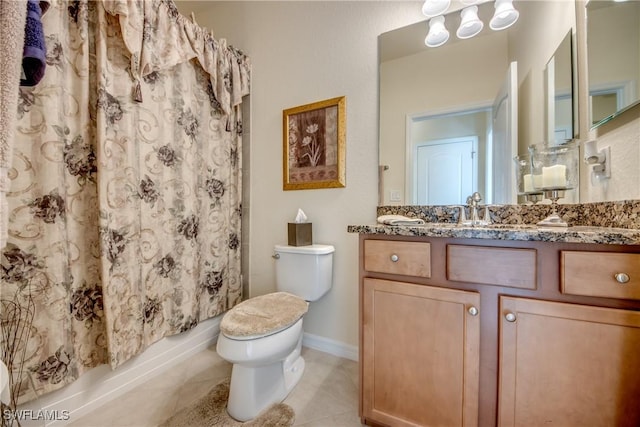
x: 327, y: 395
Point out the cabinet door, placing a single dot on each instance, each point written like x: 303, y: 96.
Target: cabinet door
x: 568, y: 365
x: 420, y: 354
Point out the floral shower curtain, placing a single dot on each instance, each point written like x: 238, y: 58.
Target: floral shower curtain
x: 124, y: 207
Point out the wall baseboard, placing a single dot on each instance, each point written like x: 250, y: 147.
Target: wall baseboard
x: 101, y: 384
x: 330, y: 346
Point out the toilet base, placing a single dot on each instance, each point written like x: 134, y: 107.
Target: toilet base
x: 293, y: 368
x: 254, y: 388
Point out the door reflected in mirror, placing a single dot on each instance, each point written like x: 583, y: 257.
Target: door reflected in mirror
x: 613, y: 55
x: 449, y: 156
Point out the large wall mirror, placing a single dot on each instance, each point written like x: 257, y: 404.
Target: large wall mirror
x: 613, y: 54
x: 453, y: 117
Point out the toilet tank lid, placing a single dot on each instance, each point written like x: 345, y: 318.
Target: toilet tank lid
x: 308, y: 249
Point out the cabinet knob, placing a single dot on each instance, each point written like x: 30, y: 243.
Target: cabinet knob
x: 395, y: 258
x: 622, y: 277
x: 510, y: 317
x: 473, y: 311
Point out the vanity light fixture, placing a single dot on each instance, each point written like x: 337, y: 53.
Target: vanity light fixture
x: 438, y: 34
x: 505, y: 15
x: 470, y: 25
x: 432, y: 8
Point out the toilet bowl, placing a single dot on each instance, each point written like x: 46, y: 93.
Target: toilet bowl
x: 262, y: 336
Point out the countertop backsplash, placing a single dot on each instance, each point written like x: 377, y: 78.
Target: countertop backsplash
x: 619, y: 214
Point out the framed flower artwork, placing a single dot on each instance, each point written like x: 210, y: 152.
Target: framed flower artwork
x: 314, y: 145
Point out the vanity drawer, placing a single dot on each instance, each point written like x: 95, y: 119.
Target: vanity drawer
x: 515, y: 268
x: 397, y: 257
x: 600, y: 274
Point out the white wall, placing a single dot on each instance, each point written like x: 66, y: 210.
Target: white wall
x: 304, y: 52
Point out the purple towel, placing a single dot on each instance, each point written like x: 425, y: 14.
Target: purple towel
x: 34, y: 56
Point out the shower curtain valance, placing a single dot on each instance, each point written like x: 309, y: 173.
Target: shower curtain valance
x: 158, y: 37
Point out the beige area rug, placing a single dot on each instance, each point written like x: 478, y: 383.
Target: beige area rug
x: 211, y: 411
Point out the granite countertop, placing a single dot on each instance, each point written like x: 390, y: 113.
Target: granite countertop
x: 612, y: 223
x: 577, y: 234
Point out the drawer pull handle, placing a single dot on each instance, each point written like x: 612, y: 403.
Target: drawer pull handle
x: 510, y: 317
x: 622, y: 278
x: 395, y: 258
x: 473, y: 311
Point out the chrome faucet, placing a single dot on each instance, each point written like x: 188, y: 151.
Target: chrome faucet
x: 473, y: 202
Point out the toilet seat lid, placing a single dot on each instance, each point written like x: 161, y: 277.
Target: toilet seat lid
x: 263, y: 315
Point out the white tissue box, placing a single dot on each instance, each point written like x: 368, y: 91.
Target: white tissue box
x: 300, y: 234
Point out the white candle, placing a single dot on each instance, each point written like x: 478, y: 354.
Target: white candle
x: 537, y: 181
x: 528, y: 183
x: 531, y: 182
x: 554, y: 176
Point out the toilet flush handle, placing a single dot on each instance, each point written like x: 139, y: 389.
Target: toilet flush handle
x: 275, y: 256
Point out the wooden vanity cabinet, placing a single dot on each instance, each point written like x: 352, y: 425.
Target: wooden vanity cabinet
x: 489, y: 332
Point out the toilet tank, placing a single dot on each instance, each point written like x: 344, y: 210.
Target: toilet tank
x: 305, y: 271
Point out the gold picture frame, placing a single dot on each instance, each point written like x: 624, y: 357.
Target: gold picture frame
x: 314, y: 145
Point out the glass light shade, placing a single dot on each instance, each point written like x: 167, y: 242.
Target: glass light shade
x: 435, y: 7
x: 438, y: 34
x: 504, y: 16
x: 470, y: 25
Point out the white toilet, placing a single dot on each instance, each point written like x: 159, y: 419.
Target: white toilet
x: 262, y: 336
